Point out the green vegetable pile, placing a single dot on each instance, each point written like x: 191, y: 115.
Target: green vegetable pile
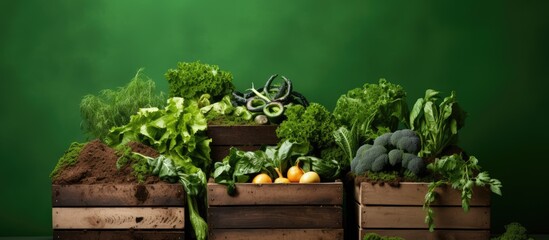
x: 375, y: 108
x: 514, y: 231
x: 239, y: 166
x: 390, y: 151
x: 436, y: 122
x: 113, y: 108
x: 178, y: 133
x: 192, y: 79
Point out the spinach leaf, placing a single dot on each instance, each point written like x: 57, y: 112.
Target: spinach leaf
x: 437, y: 125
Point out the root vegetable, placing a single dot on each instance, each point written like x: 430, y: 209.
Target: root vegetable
x: 280, y: 178
x: 262, y: 178
x: 310, y: 177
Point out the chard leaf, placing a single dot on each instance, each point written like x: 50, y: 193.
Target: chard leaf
x: 416, y: 113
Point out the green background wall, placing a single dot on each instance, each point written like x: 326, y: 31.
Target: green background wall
x: 495, y: 54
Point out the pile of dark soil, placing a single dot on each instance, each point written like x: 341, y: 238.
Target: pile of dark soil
x: 97, y: 164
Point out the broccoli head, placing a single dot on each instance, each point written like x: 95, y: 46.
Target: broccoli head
x: 406, y: 157
x: 359, y: 155
x: 380, y: 162
x: 365, y: 160
x: 395, y: 157
x: 406, y: 140
x: 416, y: 165
x: 383, y: 140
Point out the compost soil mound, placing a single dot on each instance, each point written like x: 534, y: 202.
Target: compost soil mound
x: 96, y: 164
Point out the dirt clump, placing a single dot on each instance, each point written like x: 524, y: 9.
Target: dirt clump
x: 96, y: 164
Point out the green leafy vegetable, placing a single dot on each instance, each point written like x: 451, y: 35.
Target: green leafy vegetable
x: 191, y: 178
x: 192, y: 79
x: 347, y: 140
x: 69, y: 158
x: 223, y: 108
x: 113, y: 108
x: 238, y: 166
x: 328, y: 170
x: 313, y: 125
x: 514, y: 231
x: 459, y: 174
x: 377, y: 108
x: 436, y: 123
x: 178, y: 133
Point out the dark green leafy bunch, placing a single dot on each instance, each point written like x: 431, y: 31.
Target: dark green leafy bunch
x: 514, y: 231
x: 437, y: 122
x: 313, y: 125
x: 192, y: 79
x: 461, y: 174
x: 112, y: 108
x: 178, y: 133
x: 390, y: 151
x: 376, y: 108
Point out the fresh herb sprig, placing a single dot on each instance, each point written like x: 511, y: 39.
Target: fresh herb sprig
x: 460, y: 174
x: 113, y: 108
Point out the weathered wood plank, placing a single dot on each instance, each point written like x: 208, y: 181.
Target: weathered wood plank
x: 275, y: 217
x: 409, y: 193
x: 414, y: 216
x: 131, y: 194
x: 276, y: 234
x: 118, y: 218
x: 242, y: 135
x: 277, y: 194
x: 417, y: 234
x: 117, y: 235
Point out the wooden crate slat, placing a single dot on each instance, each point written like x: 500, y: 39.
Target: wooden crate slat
x: 275, y: 217
x: 277, y: 194
x: 133, y: 194
x: 276, y: 234
x: 414, y: 217
x: 118, y: 218
x: 242, y: 135
x: 409, y: 193
x: 426, y: 235
x: 117, y: 235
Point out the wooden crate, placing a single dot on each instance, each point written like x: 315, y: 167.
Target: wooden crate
x: 398, y: 211
x: 276, y: 211
x: 118, y: 211
x: 246, y: 138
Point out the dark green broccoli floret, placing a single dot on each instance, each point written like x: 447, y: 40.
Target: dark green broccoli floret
x: 401, y: 133
x: 406, y: 157
x: 380, y: 162
x: 409, y: 144
x: 359, y: 155
x: 416, y: 165
x: 395, y: 156
x: 365, y: 163
x: 383, y: 140
x: 514, y: 231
